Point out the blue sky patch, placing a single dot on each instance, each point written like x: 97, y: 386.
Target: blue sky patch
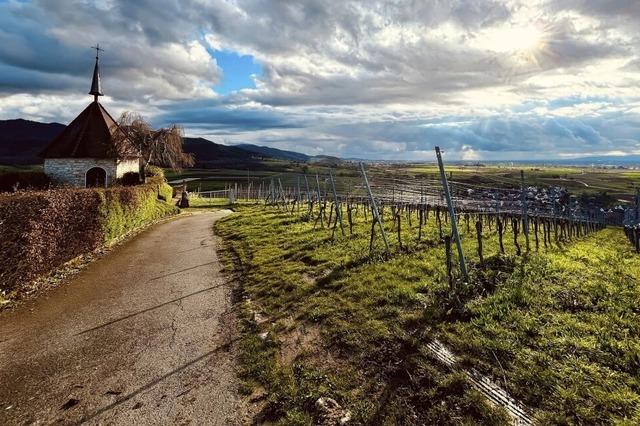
x: 237, y: 71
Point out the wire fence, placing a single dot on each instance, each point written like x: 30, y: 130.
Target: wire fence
x: 415, y: 193
x: 539, y: 216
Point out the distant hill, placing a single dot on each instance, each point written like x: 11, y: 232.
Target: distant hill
x: 210, y: 154
x: 22, y: 140
x: 325, y: 160
x: 275, y: 152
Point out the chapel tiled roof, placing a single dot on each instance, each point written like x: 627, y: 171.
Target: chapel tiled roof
x: 92, y: 134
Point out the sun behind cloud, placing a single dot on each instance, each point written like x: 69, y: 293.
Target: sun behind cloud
x: 510, y: 38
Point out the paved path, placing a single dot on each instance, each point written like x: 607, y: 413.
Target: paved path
x: 142, y: 336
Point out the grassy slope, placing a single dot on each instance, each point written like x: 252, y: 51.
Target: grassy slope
x: 368, y: 314
x: 565, y: 328
x: 558, y: 327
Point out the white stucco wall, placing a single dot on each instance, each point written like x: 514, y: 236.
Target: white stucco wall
x: 126, y: 166
x: 72, y: 171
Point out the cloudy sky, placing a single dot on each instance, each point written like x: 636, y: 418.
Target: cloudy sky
x: 484, y: 79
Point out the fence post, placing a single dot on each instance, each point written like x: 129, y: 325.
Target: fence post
x: 452, y: 213
x: 374, y: 207
x: 271, y: 196
x: 525, y: 216
x: 299, y: 194
x: 320, y: 206
x: 637, y: 206
x: 479, y: 236
x: 514, y: 225
x: 500, y: 230
x: 281, y: 192
x: 336, y: 202
x: 309, y: 205
x: 318, y: 189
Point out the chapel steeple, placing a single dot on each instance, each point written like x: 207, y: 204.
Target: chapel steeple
x: 96, y: 87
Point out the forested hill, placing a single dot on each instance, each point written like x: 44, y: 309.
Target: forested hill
x: 275, y: 152
x: 21, y: 141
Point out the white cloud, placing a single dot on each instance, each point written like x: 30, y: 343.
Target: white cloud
x: 377, y: 78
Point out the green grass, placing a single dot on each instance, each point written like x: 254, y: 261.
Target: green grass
x: 558, y: 327
x: 618, y: 183
x: 565, y: 328
x: 20, y: 168
x: 287, y: 172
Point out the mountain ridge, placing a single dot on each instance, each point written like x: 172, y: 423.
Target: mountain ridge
x: 21, y: 142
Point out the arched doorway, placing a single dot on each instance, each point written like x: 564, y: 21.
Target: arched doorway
x: 96, y: 178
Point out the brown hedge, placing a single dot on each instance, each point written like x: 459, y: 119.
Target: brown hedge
x: 41, y: 230
x: 23, y: 180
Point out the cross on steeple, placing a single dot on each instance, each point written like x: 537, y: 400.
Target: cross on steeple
x: 96, y: 88
x: 98, y: 49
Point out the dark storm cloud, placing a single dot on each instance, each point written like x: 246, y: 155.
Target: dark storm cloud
x: 18, y: 80
x: 216, y: 117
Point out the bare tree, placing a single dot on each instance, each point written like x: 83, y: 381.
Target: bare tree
x: 161, y: 147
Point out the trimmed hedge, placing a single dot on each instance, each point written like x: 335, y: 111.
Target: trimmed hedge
x: 24, y: 180
x: 41, y: 230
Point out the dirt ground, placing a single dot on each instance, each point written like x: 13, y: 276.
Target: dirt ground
x: 144, y: 335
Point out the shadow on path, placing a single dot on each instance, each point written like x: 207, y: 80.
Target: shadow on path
x: 119, y: 401
x: 183, y: 270
x: 149, y: 309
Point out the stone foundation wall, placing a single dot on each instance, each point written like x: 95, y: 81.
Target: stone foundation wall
x: 72, y: 171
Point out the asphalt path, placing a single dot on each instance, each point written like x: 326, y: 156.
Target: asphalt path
x: 143, y: 335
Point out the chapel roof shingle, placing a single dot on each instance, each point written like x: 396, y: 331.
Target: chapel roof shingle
x: 92, y: 134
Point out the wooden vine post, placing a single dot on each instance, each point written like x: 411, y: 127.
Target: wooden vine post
x: 397, y: 218
x: 479, y: 234
x: 525, y: 217
x: 299, y: 194
x: 500, y: 231
x: 309, y: 202
x: 281, y: 193
x: 320, y: 205
x: 374, y: 211
x: 452, y: 214
x: 637, y: 206
x: 336, y: 203
x: 514, y: 225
